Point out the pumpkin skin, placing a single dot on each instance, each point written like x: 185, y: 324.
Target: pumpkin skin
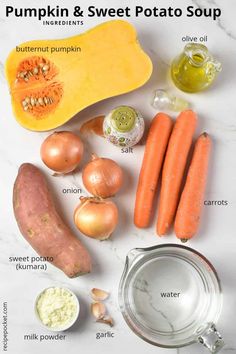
x: 111, y: 62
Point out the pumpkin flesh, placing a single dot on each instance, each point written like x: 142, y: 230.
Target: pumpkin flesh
x: 111, y: 62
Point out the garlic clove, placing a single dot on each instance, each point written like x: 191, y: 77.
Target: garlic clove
x: 98, y: 310
x: 99, y: 294
x: 107, y: 320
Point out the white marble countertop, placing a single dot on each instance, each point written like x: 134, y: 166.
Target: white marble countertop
x: 162, y: 39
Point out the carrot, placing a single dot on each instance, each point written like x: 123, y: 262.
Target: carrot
x: 173, y: 169
x: 191, y: 201
x: 156, y: 144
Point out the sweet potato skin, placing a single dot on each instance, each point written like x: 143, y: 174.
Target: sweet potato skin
x: 41, y: 225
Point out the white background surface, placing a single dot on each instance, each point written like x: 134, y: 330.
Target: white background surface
x: 162, y: 39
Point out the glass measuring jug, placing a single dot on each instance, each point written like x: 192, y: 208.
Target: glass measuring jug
x: 195, y: 69
x: 170, y: 296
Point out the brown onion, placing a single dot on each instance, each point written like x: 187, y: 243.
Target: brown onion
x: 96, y: 218
x: 62, y: 151
x: 94, y: 125
x: 102, y: 177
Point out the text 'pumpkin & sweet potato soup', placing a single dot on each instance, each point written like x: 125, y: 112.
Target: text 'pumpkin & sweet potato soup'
x: 49, y: 88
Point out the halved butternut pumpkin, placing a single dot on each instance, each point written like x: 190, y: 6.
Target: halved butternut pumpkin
x: 49, y: 88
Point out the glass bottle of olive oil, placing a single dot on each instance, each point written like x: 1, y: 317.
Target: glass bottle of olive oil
x: 194, y: 69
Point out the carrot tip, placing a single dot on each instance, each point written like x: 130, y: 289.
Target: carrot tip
x: 184, y: 240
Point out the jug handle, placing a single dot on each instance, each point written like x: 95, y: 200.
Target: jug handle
x: 217, y: 65
x: 211, y: 338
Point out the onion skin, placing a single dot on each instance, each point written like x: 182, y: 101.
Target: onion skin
x: 62, y: 151
x: 102, y: 177
x: 96, y: 218
x: 94, y: 125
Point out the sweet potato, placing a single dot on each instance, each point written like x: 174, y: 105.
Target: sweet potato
x: 41, y: 225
